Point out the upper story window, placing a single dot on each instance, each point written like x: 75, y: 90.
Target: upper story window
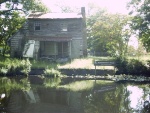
x: 64, y: 27
x: 37, y: 26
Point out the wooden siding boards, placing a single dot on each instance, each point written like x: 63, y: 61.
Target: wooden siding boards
x: 16, y: 44
x: 53, y: 27
x: 70, y: 29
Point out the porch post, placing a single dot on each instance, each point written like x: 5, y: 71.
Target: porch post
x: 62, y: 50
x: 70, y: 49
x: 55, y: 49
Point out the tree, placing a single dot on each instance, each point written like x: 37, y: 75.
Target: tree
x: 106, y: 34
x: 21, y: 5
x: 12, y: 17
x: 9, y: 26
x: 131, y: 51
x: 141, y: 22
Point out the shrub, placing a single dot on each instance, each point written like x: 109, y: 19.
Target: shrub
x: 131, y: 66
x: 3, y: 71
x: 136, y: 67
x: 25, y: 67
x: 11, y: 67
x: 121, y: 64
x: 52, y: 72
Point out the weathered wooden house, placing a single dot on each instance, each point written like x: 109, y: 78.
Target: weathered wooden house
x: 51, y: 35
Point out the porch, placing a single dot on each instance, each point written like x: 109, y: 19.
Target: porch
x: 55, y: 50
x: 51, y: 48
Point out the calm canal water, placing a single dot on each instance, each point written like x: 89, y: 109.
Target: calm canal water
x: 69, y: 95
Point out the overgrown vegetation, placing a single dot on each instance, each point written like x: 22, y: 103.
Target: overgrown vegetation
x: 51, y: 72
x: 42, y: 64
x: 85, y: 63
x: 132, y: 66
x: 14, y: 66
x: 124, y: 65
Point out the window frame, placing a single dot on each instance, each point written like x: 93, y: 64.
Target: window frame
x: 37, y: 26
x: 64, y: 27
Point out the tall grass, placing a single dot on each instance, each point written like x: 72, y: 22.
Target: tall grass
x: 52, y: 72
x: 85, y: 63
x: 43, y: 64
x: 9, y: 65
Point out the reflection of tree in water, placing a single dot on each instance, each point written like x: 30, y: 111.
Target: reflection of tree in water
x: 125, y: 101
x: 13, y: 89
x: 113, y: 101
x: 144, y: 101
x: 7, y: 85
x: 77, y: 96
x: 100, y: 102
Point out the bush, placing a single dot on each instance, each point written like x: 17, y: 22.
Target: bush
x: 25, y: 67
x: 121, y: 65
x: 12, y: 67
x: 52, y: 72
x: 136, y: 67
x: 132, y: 66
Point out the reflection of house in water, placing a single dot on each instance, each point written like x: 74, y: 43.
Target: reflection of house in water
x: 51, y: 35
x: 105, y: 88
x: 48, y: 100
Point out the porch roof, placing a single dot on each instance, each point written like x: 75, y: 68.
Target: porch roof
x: 50, y: 38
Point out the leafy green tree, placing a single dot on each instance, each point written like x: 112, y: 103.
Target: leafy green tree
x: 21, y: 5
x: 12, y: 17
x: 141, y: 22
x: 131, y: 50
x: 10, y: 24
x: 106, y: 33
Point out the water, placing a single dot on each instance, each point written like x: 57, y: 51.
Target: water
x: 69, y: 95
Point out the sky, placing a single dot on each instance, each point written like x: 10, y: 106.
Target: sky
x: 113, y: 6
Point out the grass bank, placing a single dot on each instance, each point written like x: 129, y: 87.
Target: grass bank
x: 128, y: 66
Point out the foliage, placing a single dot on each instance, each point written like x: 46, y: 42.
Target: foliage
x: 52, y: 72
x: 106, y: 34
x: 43, y: 64
x: 141, y: 22
x: 9, y: 25
x: 9, y: 66
x: 121, y: 64
x: 136, y: 67
x: 21, y: 6
x: 25, y: 66
x: 130, y: 66
x: 12, y: 17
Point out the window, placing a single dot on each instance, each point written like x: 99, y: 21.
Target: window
x: 64, y: 27
x: 37, y: 26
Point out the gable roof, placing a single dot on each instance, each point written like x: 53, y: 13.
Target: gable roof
x: 40, y: 15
